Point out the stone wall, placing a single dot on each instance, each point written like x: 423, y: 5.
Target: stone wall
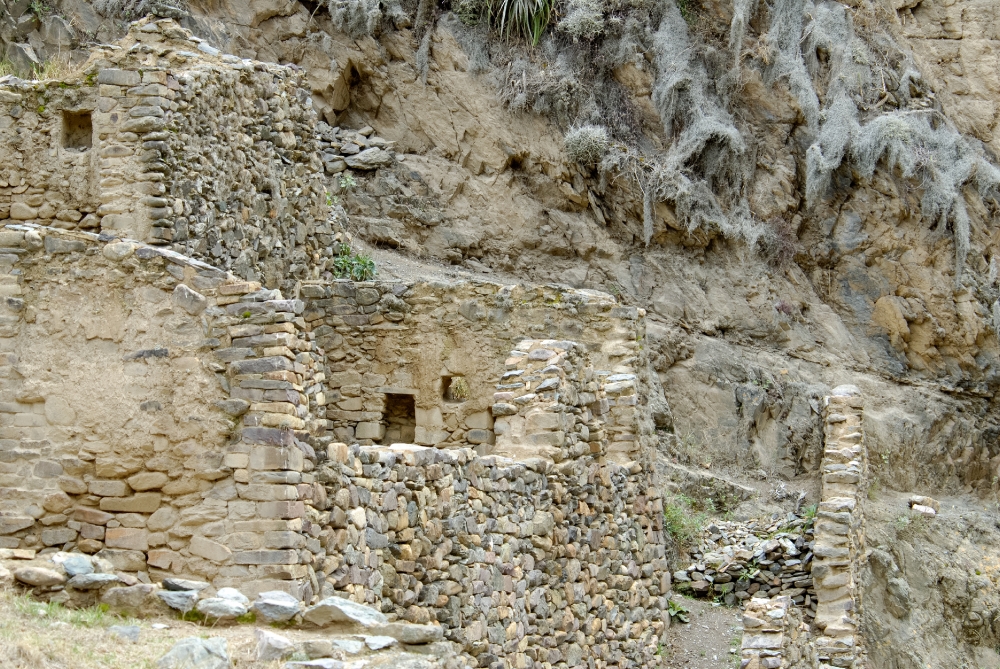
x: 133, y: 146
x: 191, y: 438
x: 840, y: 546
x: 395, y: 339
x: 834, y: 640
x: 526, y: 564
x: 46, y: 173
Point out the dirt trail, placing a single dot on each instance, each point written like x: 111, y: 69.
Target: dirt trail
x: 708, y: 641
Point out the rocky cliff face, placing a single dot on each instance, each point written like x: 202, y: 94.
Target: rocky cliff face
x: 865, y: 284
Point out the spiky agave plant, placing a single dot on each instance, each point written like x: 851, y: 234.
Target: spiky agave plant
x: 524, y: 18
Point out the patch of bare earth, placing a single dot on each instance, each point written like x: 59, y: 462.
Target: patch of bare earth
x: 708, y: 641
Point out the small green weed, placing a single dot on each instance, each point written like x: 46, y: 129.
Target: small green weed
x: 678, y: 611
x: 347, y: 181
x: 6, y: 67
x: 354, y: 266
x: 688, y: 9
x: 39, y: 8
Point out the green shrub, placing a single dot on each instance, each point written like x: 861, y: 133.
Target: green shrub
x: 354, y: 266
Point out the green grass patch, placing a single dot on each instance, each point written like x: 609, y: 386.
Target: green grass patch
x: 682, y: 521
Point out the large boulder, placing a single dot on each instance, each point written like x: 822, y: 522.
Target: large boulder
x: 196, y: 653
x: 271, y: 646
x: 92, y: 581
x: 275, y: 606
x: 181, y: 600
x: 135, y: 600
x: 39, y: 577
x: 340, y: 610
x: 221, y: 609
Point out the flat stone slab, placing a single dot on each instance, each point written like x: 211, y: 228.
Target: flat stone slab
x: 340, y: 610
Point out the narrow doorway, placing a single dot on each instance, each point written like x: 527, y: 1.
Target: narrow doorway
x: 400, y: 419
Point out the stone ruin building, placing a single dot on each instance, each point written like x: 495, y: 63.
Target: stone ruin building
x: 464, y: 453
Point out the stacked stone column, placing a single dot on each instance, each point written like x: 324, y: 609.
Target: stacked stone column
x: 130, y: 123
x: 269, y: 372
x: 840, y: 532
x: 774, y: 637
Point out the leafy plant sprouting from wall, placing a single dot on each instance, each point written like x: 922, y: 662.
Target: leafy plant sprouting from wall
x: 350, y: 265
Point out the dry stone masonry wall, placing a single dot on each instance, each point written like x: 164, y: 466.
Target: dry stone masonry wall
x: 526, y: 564
x: 772, y: 636
x: 133, y: 147
x: 225, y: 462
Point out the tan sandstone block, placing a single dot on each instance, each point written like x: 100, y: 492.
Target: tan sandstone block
x: 148, y: 481
x: 210, y: 550
x: 143, y: 502
x: 126, y: 537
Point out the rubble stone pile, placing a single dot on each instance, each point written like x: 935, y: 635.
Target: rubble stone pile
x: 740, y: 560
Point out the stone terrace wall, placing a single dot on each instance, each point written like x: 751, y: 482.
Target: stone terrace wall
x: 181, y: 442
x: 554, y: 403
x: 387, y: 337
x: 526, y: 564
x: 211, y: 153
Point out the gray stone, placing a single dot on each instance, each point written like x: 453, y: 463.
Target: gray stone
x: 275, y: 606
x: 340, y: 610
x: 350, y: 646
x: 180, y: 584
x: 39, y: 577
x: 271, y: 646
x: 133, y: 600
x: 323, y: 663
x: 56, y: 245
x: 189, y: 300
x: 411, y: 633
x: 196, y: 653
x: 221, y: 609
x: 234, y: 595
x: 369, y: 159
x: 77, y: 564
x: 127, y: 632
x: 118, y: 77
x: 91, y: 581
x: 379, y: 642
x: 181, y: 600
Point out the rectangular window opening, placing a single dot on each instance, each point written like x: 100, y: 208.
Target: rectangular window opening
x: 400, y: 419
x: 78, y: 130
